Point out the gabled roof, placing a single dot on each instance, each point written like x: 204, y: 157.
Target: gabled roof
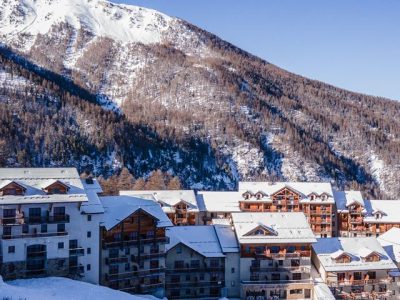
x: 290, y: 227
x: 202, y: 239
x: 304, y: 189
x: 340, y: 253
x: 118, y: 208
x: 169, y: 198
x: 263, y: 227
x: 390, y: 210
x: 327, y: 248
x: 5, y: 183
x: 34, y: 179
x: 390, y: 241
x: 49, y: 182
x: 220, y: 201
x: 344, y: 199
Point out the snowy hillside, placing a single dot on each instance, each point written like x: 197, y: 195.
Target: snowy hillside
x: 55, y: 288
x: 244, y: 117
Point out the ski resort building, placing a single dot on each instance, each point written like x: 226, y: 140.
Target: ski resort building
x: 359, y: 217
x: 132, y: 243
x: 49, y: 224
x: 275, y: 255
x: 202, y: 263
x: 180, y: 205
x: 355, y: 268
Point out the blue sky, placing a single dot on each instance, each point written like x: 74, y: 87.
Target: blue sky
x: 353, y: 44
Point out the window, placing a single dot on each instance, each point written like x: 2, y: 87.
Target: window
x: 178, y: 249
x: 7, y: 231
x: 296, y: 276
x: 43, y: 228
x: 61, y: 263
x: 73, y: 244
x: 307, y: 293
x: 59, y: 211
x: 89, y: 234
x: 154, y: 264
x: 175, y: 278
x: 127, y: 267
x: 296, y: 292
x: 34, y: 214
x: 113, y: 269
x: 60, y: 245
x: 187, y: 278
x: 178, y: 264
x: 25, y: 228
x: 89, y: 218
x: 127, y: 251
x: 201, y: 277
x: 194, y: 263
x: 60, y: 227
x: 88, y: 267
x: 89, y: 250
x: 371, y: 275
x: 11, y: 249
x: 232, y: 270
x: 9, y: 216
x: 113, y: 252
x: 275, y: 277
x: 357, y: 275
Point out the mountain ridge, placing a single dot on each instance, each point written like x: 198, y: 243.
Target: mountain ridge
x: 258, y: 120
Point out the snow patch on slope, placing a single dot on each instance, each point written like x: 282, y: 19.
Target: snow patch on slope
x: 60, y: 289
x: 377, y: 168
x: 119, y: 22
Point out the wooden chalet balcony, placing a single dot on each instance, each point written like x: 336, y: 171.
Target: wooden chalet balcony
x: 196, y: 269
x: 303, y: 269
x: 358, y: 282
x: 15, y: 221
x: 356, y: 220
x: 355, y: 211
x: 280, y: 282
x: 147, y: 256
x: 110, y: 243
x: 77, y: 252
x: 33, y: 235
x: 320, y: 212
x: 116, y: 260
x: 134, y: 274
x: 320, y: 221
x: 196, y: 283
x: 283, y: 254
x: 356, y: 228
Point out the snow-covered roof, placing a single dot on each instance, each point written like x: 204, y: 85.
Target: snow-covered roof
x: 290, y: 227
x: 305, y: 189
x: 118, y: 208
x: 35, y: 179
x: 220, y: 201
x: 389, y: 211
x: 168, y: 198
x: 323, y: 292
x: 327, y: 249
x: 202, y: 239
x: 227, y: 238
x: 390, y: 241
x: 221, y: 221
x: 345, y: 198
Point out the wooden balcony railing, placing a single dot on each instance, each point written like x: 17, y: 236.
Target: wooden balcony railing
x: 358, y: 282
x: 109, y: 243
x: 283, y: 254
x: 33, y: 235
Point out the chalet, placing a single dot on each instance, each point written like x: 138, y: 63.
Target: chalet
x: 275, y: 255
x: 180, y: 205
x: 354, y: 268
x: 42, y: 213
x: 202, y: 262
x: 132, y: 243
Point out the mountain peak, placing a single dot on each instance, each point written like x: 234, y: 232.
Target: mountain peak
x: 123, y: 23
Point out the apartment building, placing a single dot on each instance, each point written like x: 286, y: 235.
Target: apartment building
x: 275, y: 255
x: 197, y: 261
x: 133, y: 239
x: 359, y: 217
x: 49, y: 224
x: 218, y: 205
x: 180, y: 205
x: 354, y: 268
x: 314, y: 199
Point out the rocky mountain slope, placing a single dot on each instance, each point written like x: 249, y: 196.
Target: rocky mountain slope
x: 218, y: 113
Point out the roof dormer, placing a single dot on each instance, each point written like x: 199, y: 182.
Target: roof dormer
x: 259, y: 195
x: 11, y: 187
x: 262, y: 230
x: 55, y: 187
x: 369, y: 255
x: 313, y: 196
x: 247, y: 195
x: 378, y: 214
x: 341, y: 257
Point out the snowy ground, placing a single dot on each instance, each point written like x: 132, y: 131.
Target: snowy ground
x: 60, y: 289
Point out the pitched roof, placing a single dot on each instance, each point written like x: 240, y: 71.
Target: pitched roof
x: 118, y: 208
x: 33, y: 179
x: 390, y: 210
x: 327, y: 248
x: 220, y: 201
x: 290, y: 227
x: 305, y: 189
x: 390, y: 241
x: 345, y: 198
x: 168, y: 198
x: 202, y: 239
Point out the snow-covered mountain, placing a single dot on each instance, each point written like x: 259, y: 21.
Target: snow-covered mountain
x: 247, y: 118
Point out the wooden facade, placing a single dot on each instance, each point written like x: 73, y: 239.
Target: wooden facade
x: 56, y: 187
x: 182, y: 215
x: 13, y: 189
x: 133, y: 255
x: 319, y: 215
